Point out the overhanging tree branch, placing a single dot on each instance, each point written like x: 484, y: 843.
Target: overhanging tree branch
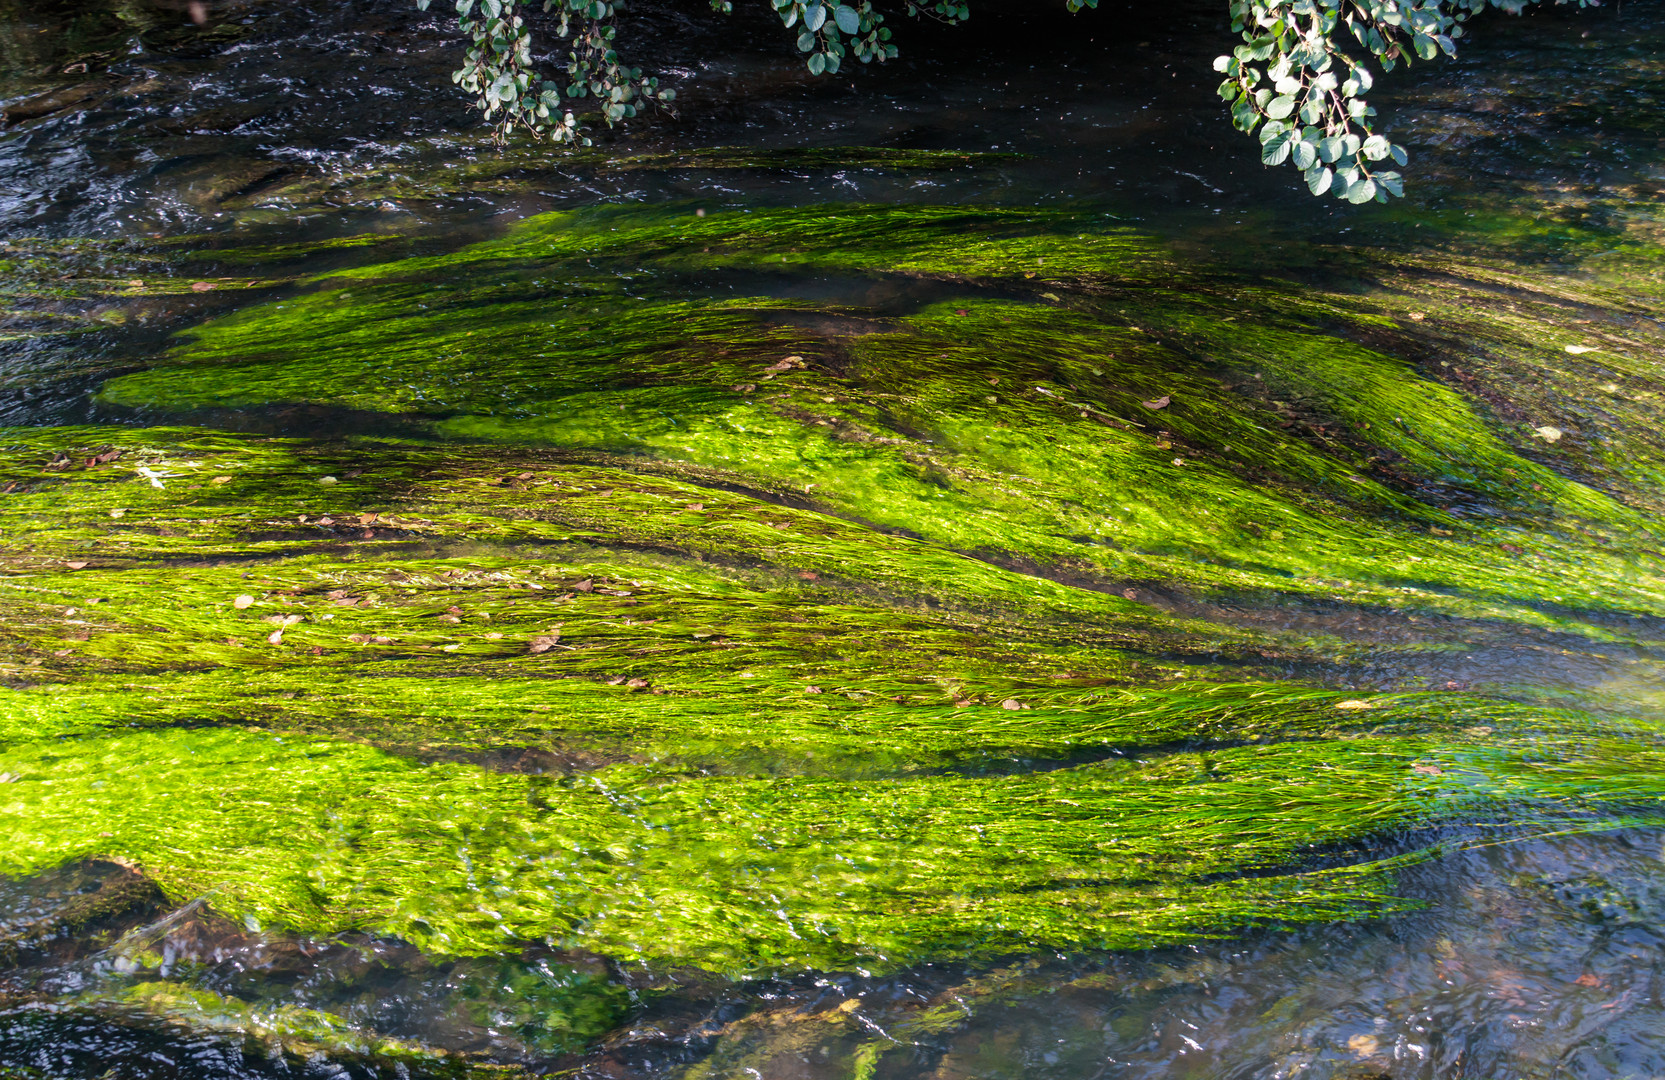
x: 1296, y: 79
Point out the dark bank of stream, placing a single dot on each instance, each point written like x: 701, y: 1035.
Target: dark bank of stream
x: 947, y: 571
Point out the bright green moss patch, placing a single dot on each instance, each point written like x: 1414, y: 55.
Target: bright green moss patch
x: 832, y: 589
x: 756, y: 721
x: 1281, y: 454
x: 1582, y: 395
x: 738, y: 874
x: 963, y: 243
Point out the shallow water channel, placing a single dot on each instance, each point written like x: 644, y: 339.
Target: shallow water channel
x: 951, y: 570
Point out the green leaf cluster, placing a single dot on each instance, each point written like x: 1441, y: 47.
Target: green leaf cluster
x: 830, y: 31
x: 498, y: 68
x: 1296, y: 80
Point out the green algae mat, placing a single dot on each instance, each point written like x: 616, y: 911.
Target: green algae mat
x: 834, y: 590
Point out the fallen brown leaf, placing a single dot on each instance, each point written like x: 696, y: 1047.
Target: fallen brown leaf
x: 204, y: 286
x: 636, y: 684
x: 1159, y: 403
x: 275, y: 638
x: 812, y: 689
x: 543, y: 643
x: 1011, y: 703
x: 76, y: 565
x: 587, y: 585
x: 1428, y: 770
x: 242, y: 602
x: 1363, y: 1045
x: 696, y: 506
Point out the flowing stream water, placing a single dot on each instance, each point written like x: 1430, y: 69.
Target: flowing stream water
x: 949, y: 570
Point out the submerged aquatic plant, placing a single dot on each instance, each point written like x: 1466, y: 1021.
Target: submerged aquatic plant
x: 1035, y: 606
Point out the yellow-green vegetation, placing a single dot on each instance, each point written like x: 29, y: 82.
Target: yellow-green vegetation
x: 1031, y: 588
x: 288, y: 1030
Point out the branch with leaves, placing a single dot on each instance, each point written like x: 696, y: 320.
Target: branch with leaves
x: 497, y: 69
x: 1294, y: 80
x: 829, y: 32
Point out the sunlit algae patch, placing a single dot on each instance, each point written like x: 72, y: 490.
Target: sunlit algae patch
x: 960, y: 610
